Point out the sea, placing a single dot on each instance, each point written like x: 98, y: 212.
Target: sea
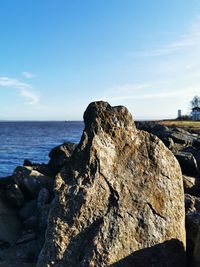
x: 33, y: 141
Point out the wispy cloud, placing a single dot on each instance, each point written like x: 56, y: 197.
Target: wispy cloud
x: 129, y: 87
x: 129, y: 91
x: 13, y: 83
x: 32, y: 98
x: 24, y: 89
x: 177, y: 68
x: 189, y: 41
x: 189, y: 92
x: 27, y: 74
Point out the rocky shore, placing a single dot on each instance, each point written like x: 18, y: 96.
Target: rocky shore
x: 127, y: 195
x: 25, y: 199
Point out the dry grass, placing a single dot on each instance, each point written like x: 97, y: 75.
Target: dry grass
x: 187, y: 125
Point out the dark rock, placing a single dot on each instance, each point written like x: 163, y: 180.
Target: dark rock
x: 152, y: 127
x: 181, y: 136
x: 5, y: 181
x: 14, y: 195
x: 196, y: 154
x: 192, y: 204
x: 31, y: 223
x: 43, y: 219
x: 191, y: 185
x: 43, y: 197
x: 188, y: 163
x: 29, y: 209
x: 196, y: 254
x: 174, y: 138
x: 31, y: 181
x: 192, y: 207
x: 168, y: 141
x: 59, y: 156
x: 28, y: 252
x: 26, y: 237
x: 119, y: 200
x: 192, y: 228
x: 10, y: 225
x: 4, y: 244
x: 39, y: 167
x: 27, y: 163
x: 196, y: 142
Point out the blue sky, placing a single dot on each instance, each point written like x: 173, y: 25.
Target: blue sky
x: 56, y: 56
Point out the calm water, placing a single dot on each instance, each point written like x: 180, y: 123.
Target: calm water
x: 33, y: 141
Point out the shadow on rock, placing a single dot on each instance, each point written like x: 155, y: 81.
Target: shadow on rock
x: 169, y: 253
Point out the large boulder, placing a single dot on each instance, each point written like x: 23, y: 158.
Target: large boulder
x: 119, y: 201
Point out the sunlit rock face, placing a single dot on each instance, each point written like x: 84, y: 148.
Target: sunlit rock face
x: 119, y: 201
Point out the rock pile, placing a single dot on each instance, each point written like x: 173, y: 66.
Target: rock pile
x: 28, y: 194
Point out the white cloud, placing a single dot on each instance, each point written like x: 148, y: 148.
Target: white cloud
x: 27, y: 74
x: 24, y: 89
x: 13, y: 83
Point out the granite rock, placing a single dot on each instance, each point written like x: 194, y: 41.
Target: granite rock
x: 119, y: 201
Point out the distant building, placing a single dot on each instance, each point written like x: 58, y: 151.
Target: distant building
x: 196, y: 114
x: 179, y: 114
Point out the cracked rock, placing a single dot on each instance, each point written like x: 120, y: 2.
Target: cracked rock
x: 119, y: 201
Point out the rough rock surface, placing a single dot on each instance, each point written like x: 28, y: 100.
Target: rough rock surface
x: 119, y: 201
